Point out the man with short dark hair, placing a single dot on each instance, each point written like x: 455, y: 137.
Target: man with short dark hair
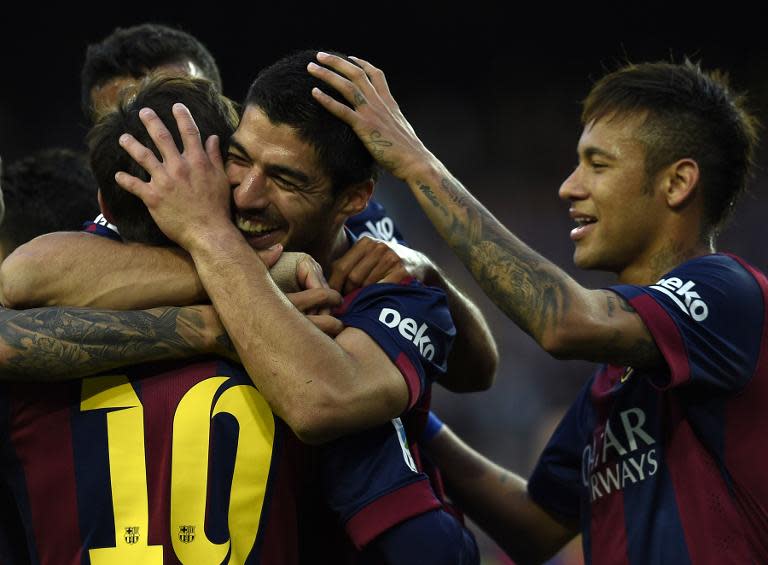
x: 121, y: 59
x: 655, y: 461
x: 50, y: 191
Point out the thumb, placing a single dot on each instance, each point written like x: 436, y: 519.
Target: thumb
x: 271, y: 255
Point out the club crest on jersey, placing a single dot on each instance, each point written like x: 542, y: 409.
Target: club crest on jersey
x: 410, y: 330
x: 186, y: 534
x: 684, y: 297
x: 131, y: 535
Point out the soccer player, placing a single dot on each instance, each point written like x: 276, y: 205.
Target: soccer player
x: 656, y: 460
x: 376, y: 470
x: 57, y: 270
x: 50, y: 191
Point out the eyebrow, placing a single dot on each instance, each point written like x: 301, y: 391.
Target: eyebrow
x: 592, y: 151
x: 273, y: 169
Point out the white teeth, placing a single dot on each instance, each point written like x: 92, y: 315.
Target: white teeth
x: 253, y: 227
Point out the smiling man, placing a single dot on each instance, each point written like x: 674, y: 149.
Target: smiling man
x: 297, y: 174
x: 655, y: 461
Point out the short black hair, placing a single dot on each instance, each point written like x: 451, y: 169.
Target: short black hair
x: 689, y: 113
x: 52, y: 190
x: 283, y: 91
x: 133, y: 51
x: 214, y: 114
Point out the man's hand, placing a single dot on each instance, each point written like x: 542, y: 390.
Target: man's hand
x: 371, y: 261
x: 316, y: 304
x: 295, y: 271
x: 188, y: 193
x: 374, y: 116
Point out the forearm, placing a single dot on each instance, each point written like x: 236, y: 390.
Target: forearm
x: 80, y: 269
x: 532, y: 291
x: 300, y: 371
x: 497, y: 500
x: 52, y: 344
x: 474, y: 357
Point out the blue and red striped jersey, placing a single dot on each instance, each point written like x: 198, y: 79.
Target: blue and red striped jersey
x: 152, y: 464
x: 667, y: 465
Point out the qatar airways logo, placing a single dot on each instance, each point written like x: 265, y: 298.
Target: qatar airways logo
x: 683, y: 295
x: 615, y: 460
x: 410, y: 330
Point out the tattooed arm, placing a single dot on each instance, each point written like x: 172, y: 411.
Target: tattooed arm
x: 52, y: 344
x: 566, y: 319
x: 497, y: 500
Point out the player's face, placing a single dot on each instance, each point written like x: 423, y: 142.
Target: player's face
x: 615, y: 205
x: 281, y: 192
x: 106, y: 97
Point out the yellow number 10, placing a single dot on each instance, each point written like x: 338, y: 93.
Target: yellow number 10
x: 189, y: 470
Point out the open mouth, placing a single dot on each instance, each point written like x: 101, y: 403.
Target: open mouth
x: 583, y: 226
x: 259, y: 234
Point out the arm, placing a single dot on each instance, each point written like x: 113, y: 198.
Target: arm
x: 497, y: 500
x: 61, y: 268
x: 310, y: 380
x: 473, y: 359
x: 51, y: 344
x: 84, y: 270
x: 566, y: 319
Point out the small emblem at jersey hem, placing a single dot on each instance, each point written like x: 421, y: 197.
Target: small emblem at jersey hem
x: 131, y: 535
x: 626, y: 374
x: 186, y: 534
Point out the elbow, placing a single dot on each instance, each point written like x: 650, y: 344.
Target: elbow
x: 566, y: 342
x: 15, y: 287
x: 487, y: 368
x: 318, y: 418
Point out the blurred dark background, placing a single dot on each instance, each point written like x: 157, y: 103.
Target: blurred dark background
x: 494, y: 93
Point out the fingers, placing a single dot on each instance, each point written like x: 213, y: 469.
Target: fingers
x: 160, y: 135
x: 342, y: 266
x: 377, y: 78
x: 190, y: 134
x: 213, y: 149
x: 310, y: 274
x: 135, y: 186
x: 327, y: 324
x: 141, y: 154
x: 314, y: 299
x: 271, y: 255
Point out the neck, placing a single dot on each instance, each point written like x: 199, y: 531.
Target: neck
x: 338, y: 246
x: 662, y: 260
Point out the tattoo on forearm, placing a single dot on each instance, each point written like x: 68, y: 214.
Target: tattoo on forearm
x: 62, y: 343
x: 529, y: 289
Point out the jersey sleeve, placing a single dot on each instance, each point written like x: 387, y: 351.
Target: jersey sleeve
x: 556, y: 482
x: 412, y: 325
x: 374, y: 222
x: 100, y: 226
x: 371, y: 482
x: 707, y: 318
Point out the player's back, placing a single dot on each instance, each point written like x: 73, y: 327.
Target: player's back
x: 154, y: 464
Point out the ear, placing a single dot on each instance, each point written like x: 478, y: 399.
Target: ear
x: 680, y: 181
x: 354, y: 198
x: 103, y: 207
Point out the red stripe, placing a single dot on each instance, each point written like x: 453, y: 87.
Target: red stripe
x: 42, y: 438
x: 411, y: 379
x: 745, y: 455
x: 346, y: 302
x: 608, y: 531
x: 667, y: 338
x: 390, y: 510
x: 160, y: 395
x: 711, y: 523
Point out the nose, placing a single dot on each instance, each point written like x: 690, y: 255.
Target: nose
x: 573, y: 186
x: 250, y: 190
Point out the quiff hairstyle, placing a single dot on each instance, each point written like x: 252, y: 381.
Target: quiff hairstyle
x: 689, y: 113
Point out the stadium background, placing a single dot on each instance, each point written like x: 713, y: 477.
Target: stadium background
x: 495, y: 96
